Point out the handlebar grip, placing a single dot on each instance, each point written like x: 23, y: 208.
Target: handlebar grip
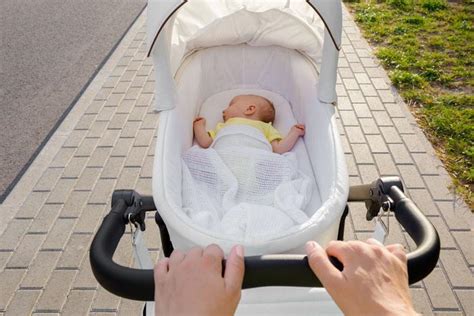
x: 266, y: 270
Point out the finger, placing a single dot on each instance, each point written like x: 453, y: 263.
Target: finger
x: 375, y: 242
x: 161, y: 268
x: 398, y: 251
x: 176, y: 258
x: 214, y: 255
x: 234, y: 269
x: 340, y: 250
x: 319, y: 262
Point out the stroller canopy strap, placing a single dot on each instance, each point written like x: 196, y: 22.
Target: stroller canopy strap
x: 163, y: 11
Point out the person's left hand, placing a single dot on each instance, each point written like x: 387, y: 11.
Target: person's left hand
x: 298, y: 129
x: 192, y: 283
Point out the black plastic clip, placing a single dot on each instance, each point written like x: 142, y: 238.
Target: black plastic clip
x: 134, y: 214
x: 379, y: 197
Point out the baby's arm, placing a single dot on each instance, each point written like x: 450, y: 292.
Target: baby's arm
x: 286, y: 144
x: 202, y: 136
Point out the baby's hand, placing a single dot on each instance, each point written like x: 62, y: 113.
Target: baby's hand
x: 298, y: 129
x: 199, y: 122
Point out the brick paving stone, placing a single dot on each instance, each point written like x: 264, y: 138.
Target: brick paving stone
x: 345, y: 145
x: 144, y: 137
x: 375, y: 104
x: 411, y: 177
x: 26, y: 251
x: 48, y: 179
x: 74, y: 204
x: 78, y: 302
x: 368, y: 126
x: 375, y: 73
x: 377, y: 144
x: 400, y: 154
x: 128, y: 75
x: 356, y: 96
x: 95, y: 107
x: 91, y: 217
x: 45, y: 219
x: 358, y: 212
x: 114, y: 100
x: 438, y: 187
x: 13, y: 234
x: 4, y: 257
x: 97, y: 129
x: 382, y: 118
x: 128, y: 178
x: 99, y: 157
x: 447, y: 240
x: 144, y: 186
x: 112, y: 168
x: 138, y: 82
x: 368, y: 90
x: 368, y: 173
x: 343, y: 103
x: 144, y: 71
x: 129, y: 307
x: 84, y: 123
x: 23, y: 302
x: 122, y: 87
x: 130, y: 129
x: 109, y: 138
x: 357, y: 68
x: 85, y: 278
x: 421, y: 302
x: 62, y: 157
x: 102, y: 192
x: 362, y: 110
x: 362, y: 78
x: 456, y: 215
x: 147, y: 168
x: 458, y: 272
x: 75, y: 251
x: 75, y: 139
x: 426, y: 164
x: 149, y: 87
x: 132, y: 93
x: 118, y: 71
x: 135, y: 157
x: 390, y: 135
x: 87, y: 147
x: 467, y: 300
x: 145, y: 100
x: 111, y: 82
x: 422, y: 198
x: 105, y: 301
x: 137, y: 114
x: 54, y: 295
x: 59, y: 234
x: 394, y: 110
x: 355, y: 135
x: 103, y: 94
x: 465, y: 240
x: 61, y: 191
x: 122, y: 148
x: 439, y: 291
x: 386, y: 96
x: 402, y: 125
x: 9, y: 279
x: 380, y: 84
x: 32, y: 205
x: 351, y: 84
x: 348, y: 118
x: 385, y: 164
x: 362, y: 153
x: 413, y: 143
x: 87, y: 179
x: 75, y: 167
x: 118, y: 121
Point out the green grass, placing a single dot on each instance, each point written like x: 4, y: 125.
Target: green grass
x: 427, y: 46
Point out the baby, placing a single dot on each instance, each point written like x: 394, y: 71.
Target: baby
x: 255, y: 111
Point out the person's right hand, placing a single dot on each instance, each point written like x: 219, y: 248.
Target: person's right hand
x: 374, y: 280
x: 199, y: 122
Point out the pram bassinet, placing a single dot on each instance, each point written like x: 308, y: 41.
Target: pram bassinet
x: 250, y: 50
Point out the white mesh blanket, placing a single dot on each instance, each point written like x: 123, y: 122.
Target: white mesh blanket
x: 240, y: 188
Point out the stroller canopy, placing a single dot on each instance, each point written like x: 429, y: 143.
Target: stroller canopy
x: 177, y: 28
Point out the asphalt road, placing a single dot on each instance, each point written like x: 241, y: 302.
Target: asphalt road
x: 49, y: 51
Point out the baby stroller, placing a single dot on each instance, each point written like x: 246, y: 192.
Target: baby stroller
x: 205, y: 52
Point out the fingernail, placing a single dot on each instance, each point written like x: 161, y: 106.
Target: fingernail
x: 312, y: 245
x: 239, y: 250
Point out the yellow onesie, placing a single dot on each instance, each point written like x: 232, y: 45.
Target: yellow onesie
x: 267, y: 129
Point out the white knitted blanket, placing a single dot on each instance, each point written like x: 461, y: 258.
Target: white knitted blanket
x: 240, y: 188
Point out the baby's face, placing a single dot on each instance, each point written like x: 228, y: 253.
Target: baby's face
x: 237, y: 107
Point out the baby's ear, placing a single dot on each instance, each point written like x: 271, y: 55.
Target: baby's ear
x: 251, y: 109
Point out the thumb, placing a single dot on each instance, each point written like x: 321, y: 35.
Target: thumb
x: 234, y: 269
x: 319, y: 262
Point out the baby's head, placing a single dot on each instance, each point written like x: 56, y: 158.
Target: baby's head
x: 252, y: 107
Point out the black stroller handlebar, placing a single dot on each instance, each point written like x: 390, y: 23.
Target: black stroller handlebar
x: 267, y: 270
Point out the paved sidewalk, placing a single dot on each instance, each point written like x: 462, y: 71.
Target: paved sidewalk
x: 107, y: 143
